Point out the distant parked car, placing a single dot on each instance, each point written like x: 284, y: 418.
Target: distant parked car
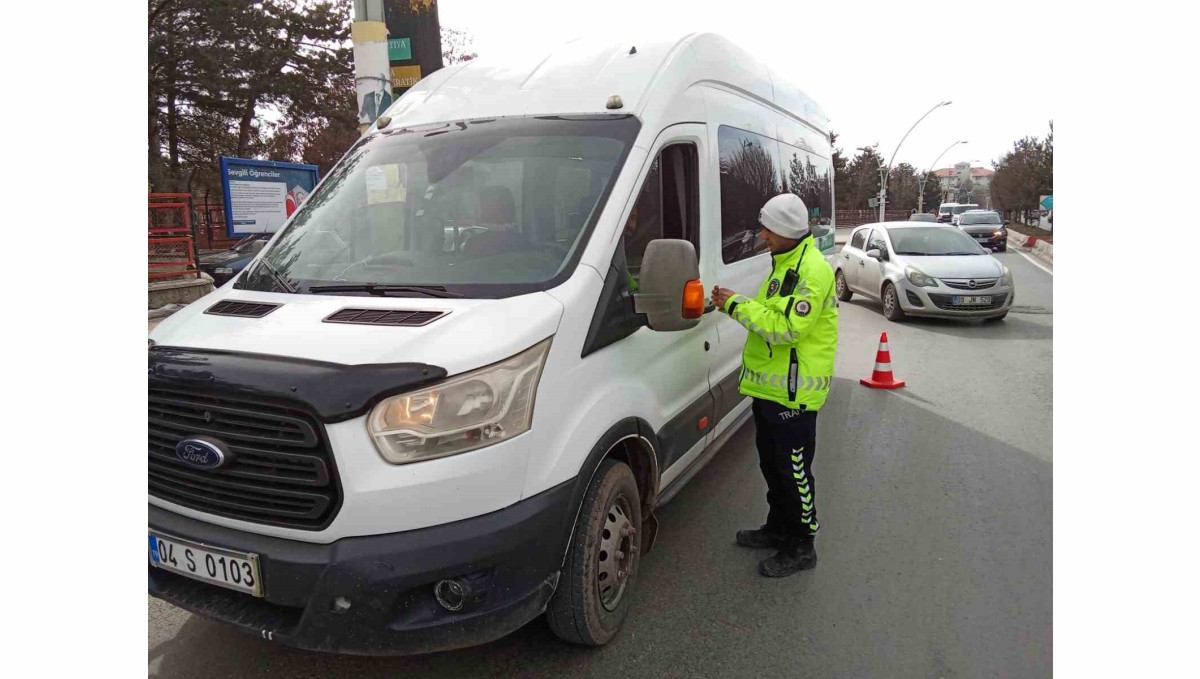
x: 923, y: 269
x: 920, y: 217
x: 986, y: 227
x: 226, y: 264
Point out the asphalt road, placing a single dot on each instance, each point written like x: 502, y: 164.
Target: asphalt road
x: 935, y: 547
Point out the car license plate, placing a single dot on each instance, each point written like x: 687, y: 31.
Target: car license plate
x: 971, y: 300
x: 234, y: 570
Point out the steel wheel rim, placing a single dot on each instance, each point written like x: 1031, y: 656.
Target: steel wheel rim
x: 615, y: 553
x: 840, y: 283
x: 889, y: 301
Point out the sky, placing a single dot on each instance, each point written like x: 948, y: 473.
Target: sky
x: 875, y: 68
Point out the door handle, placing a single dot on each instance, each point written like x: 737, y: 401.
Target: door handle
x: 862, y: 263
x: 710, y: 308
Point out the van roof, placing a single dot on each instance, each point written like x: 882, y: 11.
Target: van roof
x: 579, y: 77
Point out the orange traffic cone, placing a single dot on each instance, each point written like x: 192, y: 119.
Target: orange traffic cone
x: 881, y: 377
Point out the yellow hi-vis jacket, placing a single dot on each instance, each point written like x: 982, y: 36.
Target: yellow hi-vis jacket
x: 793, y: 324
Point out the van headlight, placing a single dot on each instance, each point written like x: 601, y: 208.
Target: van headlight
x: 465, y: 412
x: 919, y: 279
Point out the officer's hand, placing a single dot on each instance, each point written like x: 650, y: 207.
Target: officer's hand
x: 721, y: 295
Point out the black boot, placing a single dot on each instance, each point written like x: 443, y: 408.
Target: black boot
x: 759, y: 538
x: 790, y: 560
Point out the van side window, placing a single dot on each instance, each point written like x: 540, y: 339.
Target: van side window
x: 810, y: 176
x: 749, y: 178
x: 859, y: 238
x: 667, y: 206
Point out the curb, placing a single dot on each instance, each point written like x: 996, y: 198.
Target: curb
x: 1039, y: 248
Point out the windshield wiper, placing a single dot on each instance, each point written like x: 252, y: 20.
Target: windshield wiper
x: 287, y: 285
x: 385, y: 290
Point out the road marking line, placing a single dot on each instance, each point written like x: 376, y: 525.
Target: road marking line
x: 1034, y: 262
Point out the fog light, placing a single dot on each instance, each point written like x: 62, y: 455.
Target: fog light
x: 340, y: 605
x: 452, y: 594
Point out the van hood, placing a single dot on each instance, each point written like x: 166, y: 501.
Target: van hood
x: 473, y: 333
x: 956, y: 266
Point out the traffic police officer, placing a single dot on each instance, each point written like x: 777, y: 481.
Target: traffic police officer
x: 787, y: 368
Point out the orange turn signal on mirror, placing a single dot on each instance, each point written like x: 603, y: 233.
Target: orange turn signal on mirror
x: 693, y: 299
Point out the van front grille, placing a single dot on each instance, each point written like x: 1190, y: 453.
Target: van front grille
x: 280, y: 470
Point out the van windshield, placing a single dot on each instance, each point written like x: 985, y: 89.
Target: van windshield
x: 481, y: 208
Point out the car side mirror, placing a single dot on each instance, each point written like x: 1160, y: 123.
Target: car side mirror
x: 875, y: 253
x: 670, y: 273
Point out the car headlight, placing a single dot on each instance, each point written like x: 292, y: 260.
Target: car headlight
x: 919, y: 279
x: 463, y: 413
x: 998, y: 232
x: 223, y: 270
x: 1007, y: 277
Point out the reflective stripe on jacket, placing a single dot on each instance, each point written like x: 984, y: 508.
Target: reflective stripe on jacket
x: 788, y: 357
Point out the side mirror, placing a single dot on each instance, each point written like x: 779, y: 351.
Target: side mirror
x: 670, y: 273
x: 875, y: 253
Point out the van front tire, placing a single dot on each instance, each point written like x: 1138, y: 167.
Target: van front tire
x: 592, y: 596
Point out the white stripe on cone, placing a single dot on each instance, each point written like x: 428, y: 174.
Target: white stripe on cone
x: 883, y: 367
x: 883, y: 346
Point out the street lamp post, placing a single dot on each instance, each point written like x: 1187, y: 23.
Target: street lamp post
x: 921, y: 200
x: 883, y: 184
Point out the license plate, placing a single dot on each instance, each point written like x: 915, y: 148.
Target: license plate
x: 234, y: 570
x: 971, y: 300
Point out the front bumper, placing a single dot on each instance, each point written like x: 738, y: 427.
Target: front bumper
x: 512, y: 556
x: 936, y: 302
x: 992, y: 242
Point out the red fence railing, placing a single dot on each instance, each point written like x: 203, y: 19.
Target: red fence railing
x: 849, y: 218
x: 171, y: 252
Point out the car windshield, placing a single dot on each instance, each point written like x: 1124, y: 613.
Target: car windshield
x: 986, y: 218
x: 483, y: 208
x: 244, y: 244
x: 933, y: 240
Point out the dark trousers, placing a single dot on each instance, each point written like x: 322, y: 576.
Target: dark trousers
x: 787, y: 444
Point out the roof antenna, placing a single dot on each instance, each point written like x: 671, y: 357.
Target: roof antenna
x: 633, y: 50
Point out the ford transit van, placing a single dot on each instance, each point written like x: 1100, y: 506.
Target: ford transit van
x: 450, y: 393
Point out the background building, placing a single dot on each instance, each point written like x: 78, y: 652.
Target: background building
x: 963, y: 183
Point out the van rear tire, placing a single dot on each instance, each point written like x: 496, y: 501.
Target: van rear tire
x: 587, y: 607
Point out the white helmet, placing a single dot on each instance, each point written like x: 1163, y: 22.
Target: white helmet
x: 785, y: 215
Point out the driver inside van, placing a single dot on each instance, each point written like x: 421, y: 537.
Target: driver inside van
x: 497, y: 212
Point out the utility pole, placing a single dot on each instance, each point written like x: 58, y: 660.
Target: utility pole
x: 372, y: 80
x: 883, y: 184
x: 934, y: 166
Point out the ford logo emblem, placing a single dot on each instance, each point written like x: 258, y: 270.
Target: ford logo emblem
x: 202, y: 453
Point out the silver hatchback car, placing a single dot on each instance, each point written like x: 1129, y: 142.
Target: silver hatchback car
x: 919, y: 269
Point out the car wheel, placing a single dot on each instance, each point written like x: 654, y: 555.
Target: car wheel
x: 843, y: 290
x: 592, y: 596
x: 995, y: 319
x: 891, y: 304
